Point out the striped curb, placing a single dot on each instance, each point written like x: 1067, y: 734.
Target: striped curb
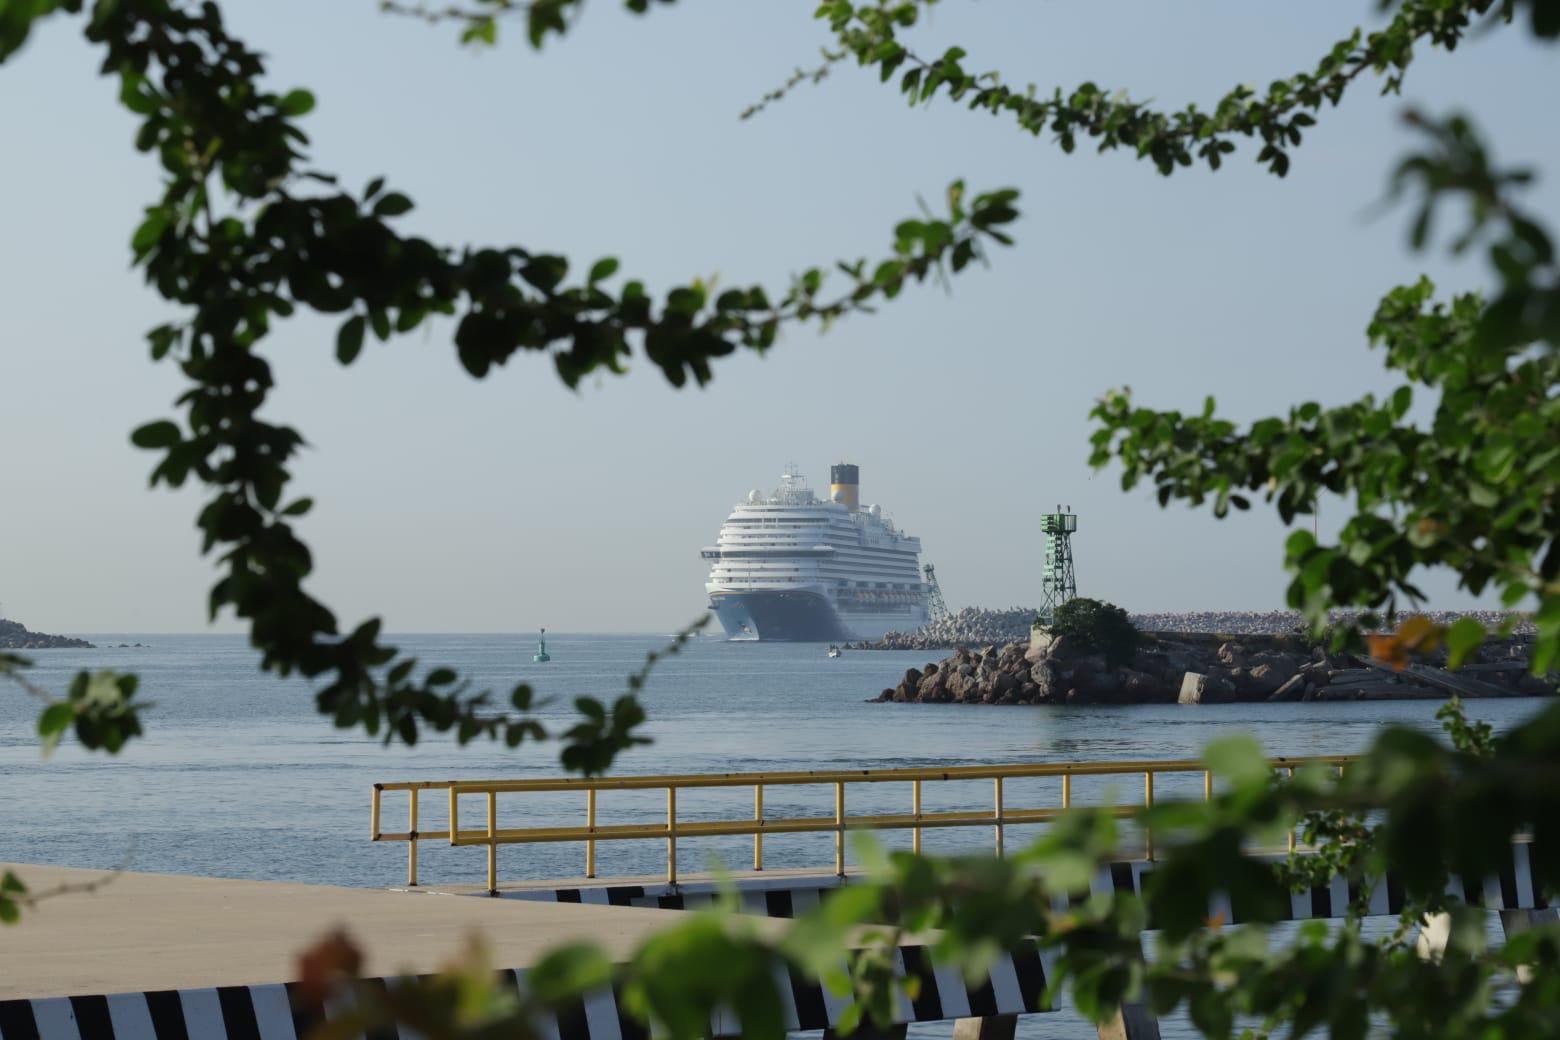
x: 1512, y: 889
x: 1015, y: 984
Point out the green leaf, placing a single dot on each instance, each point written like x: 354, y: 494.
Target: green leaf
x: 55, y: 718
x: 150, y: 232
x: 569, y: 971
x: 1462, y: 638
x: 1238, y: 759
x: 53, y: 723
x: 392, y: 204
x: 296, y: 103
x: 349, y: 340
x: 160, y: 434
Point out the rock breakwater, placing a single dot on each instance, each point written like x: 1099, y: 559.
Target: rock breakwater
x: 976, y: 626
x: 970, y: 626
x: 1047, y: 669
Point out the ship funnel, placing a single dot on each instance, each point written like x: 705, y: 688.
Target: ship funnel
x: 845, y: 485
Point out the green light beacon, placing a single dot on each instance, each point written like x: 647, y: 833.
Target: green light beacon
x: 541, y: 648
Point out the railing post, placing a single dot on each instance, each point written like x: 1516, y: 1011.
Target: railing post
x: 1291, y: 772
x: 1148, y: 803
x: 492, y: 843
x: 454, y: 814
x: 411, y: 840
x: 758, y: 817
x: 1207, y: 785
x: 915, y: 808
x: 997, y: 815
x: 671, y: 835
x: 373, y: 815
x: 590, y: 824
x: 839, y: 829
x: 1066, y: 790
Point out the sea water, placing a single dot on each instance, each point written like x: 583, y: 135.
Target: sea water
x: 239, y: 776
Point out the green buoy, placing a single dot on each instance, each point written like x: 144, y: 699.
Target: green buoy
x: 541, y: 648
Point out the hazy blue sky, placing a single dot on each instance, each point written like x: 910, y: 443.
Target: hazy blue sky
x: 450, y: 504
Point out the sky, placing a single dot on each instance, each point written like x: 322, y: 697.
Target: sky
x: 449, y: 504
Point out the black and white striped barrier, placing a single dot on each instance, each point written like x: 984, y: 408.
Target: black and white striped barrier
x: 1511, y: 889
x: 1014, y: 985
x: 783, y: 896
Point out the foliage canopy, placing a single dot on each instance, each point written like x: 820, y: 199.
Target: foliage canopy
x: 1097, y: 627
x: 246, y: 232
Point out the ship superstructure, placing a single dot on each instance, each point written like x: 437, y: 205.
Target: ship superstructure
x: 792, y: 566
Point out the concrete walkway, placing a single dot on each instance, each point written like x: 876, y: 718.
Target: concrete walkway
x: 162, y: 931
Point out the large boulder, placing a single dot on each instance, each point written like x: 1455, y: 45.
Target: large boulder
x: 1107, y: 680
x: 1062, y: 648
x: 1140, y: 686
x: 1291, y: 690
x: 931, y: 687
x: 1040, y: 640
x: 1283, y: 662
x: 1044, y: 675
x: 1079, y: 672
x: 1267, y: 678
x: 1193, y: 685
x: 1231, y: 654
x: 1201, y: 688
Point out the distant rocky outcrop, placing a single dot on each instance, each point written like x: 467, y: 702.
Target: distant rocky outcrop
x: 1196, y: 668
x: 15, y: 636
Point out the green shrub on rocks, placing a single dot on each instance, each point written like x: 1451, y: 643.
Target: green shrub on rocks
x: 1098, y: 627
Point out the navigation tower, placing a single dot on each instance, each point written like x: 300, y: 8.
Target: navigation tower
x: 1058, y: 584
x: 936, y: 608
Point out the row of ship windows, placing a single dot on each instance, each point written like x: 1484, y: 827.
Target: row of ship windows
x: 761, y: 572
x: 740, y: 542
x: 840, y: 583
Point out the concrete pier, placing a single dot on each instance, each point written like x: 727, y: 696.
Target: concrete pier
x: 162, y: 931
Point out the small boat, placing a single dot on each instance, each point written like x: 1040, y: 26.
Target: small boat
x: 541, y: 648
x: 834, y: 651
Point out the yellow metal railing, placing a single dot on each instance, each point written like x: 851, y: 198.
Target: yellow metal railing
x: 917, y: 820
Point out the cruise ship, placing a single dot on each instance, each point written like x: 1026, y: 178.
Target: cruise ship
x: 792, y: 566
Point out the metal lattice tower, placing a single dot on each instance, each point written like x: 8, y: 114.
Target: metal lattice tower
x: 936, y: 608
x: 1058, y: 584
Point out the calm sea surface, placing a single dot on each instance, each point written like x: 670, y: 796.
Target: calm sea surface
x: 238, y: 777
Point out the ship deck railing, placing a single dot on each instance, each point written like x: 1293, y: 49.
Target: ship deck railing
x: 1003, y: 811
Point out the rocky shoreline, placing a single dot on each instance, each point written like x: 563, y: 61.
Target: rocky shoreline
x: 15, y: 636
x: 1205, y: 668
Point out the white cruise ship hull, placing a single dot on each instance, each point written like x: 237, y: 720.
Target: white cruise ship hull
x: 803, y: 616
